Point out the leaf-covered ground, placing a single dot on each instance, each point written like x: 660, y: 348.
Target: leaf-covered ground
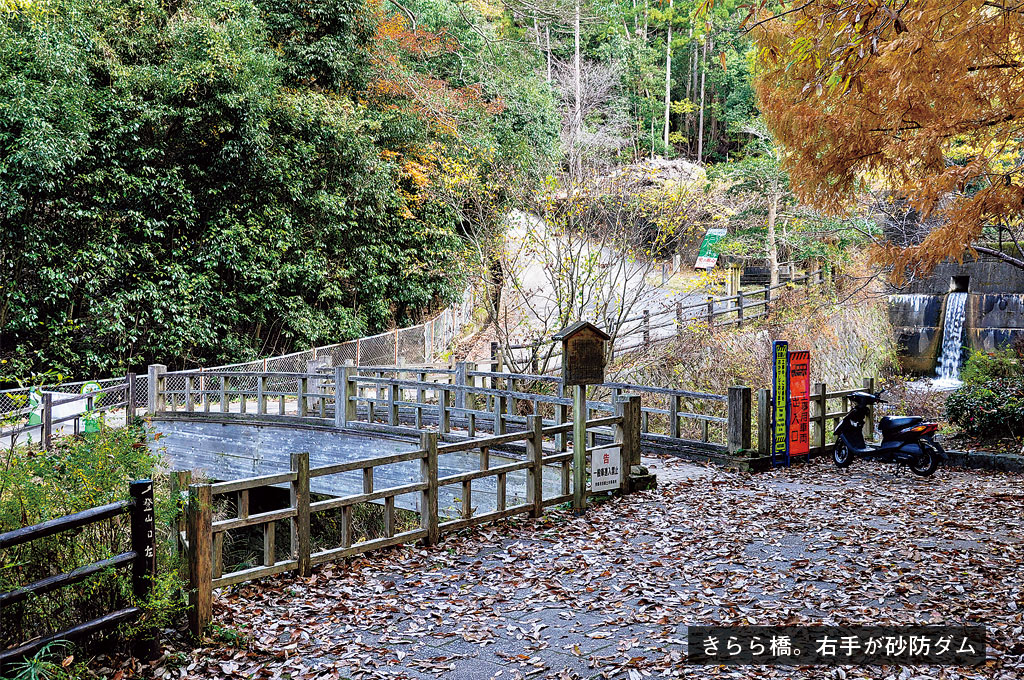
x: 610, y: 594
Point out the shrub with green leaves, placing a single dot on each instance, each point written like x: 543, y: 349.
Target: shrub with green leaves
x: 77, y: 474
x: 982, y: 367
x: 993, y: 409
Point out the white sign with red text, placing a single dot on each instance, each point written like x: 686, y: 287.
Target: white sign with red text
x: 606, y: 470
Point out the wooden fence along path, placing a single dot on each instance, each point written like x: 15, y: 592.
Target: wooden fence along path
x: 640, y: 332
x: 203, y: 539
x: 141, y: 559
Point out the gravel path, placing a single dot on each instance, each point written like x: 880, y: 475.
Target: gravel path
x: 610, y: 594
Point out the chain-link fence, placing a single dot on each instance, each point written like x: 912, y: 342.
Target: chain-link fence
x: 407, y: 346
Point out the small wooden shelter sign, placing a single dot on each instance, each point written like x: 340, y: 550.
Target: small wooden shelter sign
x: 583, y: 353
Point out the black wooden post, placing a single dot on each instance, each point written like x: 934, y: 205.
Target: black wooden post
x: 711, y: 311
x: 647, y: 328
x: 739, y: 309
x: 146, y: 645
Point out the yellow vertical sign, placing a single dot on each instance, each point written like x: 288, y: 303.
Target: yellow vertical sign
x: 780, y: 403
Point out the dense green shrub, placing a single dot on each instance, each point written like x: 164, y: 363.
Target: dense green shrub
x: 215, y: 180
x: 79, y: 473
x: 982, y: 367
x: 992, y: 409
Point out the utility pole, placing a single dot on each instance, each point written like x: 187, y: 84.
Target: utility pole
x: 668, y: 74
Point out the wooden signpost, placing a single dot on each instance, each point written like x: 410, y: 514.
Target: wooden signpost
x: 583, y: 360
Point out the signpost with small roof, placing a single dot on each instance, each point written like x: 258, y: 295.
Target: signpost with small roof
x: 584, y: 348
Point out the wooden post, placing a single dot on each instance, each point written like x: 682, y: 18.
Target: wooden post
x: 460, y: 384
x: 499, y: 416
x: 200, y: 557
x: 224, y: 406
x: 393, y: 400
x: 300, y: 523
x: 675, y: 405
x: 535, y: 474
x: 647, y: 328
x: 820, y: 403
x: 739, y: 309
x: 470, y: 402
x: 764, y: 422
x: 349, y: 381
x: 46, y: 425
x: 444, y: 414
x: 261, y: 395
x: 180, y: 481
x: 579, y: 448
x: 428, y: 499
x: 143, y: 528
x: 188, y: 394
x: 679, y: 317
x: 303, y: 391
x: 869, y: 422
x: 340, y: 394
x: 156, y: 401
x: 739, y: 419
x: 767, y: 295
x: 711, y: 311
x: 631, y: 431
x: 129, y: 411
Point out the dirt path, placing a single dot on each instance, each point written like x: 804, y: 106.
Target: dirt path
x: 610, y: 594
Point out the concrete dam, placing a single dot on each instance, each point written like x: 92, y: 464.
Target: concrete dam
x: 939, y: 319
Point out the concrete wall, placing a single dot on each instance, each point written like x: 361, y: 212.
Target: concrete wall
x: 994, y: 313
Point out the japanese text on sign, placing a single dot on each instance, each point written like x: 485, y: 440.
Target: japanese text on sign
x: 799, y: 403
x: 605, y: 473
x: 853, y: 645
x: 780, y: 403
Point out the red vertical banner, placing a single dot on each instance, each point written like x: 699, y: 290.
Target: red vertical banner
x: 800, y: 403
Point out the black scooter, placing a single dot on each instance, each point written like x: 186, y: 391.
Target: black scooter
x: 905, y: 441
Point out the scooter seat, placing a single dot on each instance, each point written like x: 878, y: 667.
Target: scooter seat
x: 888, y: 423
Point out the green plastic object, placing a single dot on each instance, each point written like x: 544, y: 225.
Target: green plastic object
x: 35, y: 402
x: 93, y: 418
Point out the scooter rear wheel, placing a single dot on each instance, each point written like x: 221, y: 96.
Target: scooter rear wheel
x: 927, y: 461
x: 841, y: 454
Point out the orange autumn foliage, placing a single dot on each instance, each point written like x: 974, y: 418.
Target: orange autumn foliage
x: 431, y: 99
x: 924, y: 99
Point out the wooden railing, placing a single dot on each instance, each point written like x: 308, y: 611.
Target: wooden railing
x: 639, y: 331
x: 203, y: 537
x: 94, y: 404
x: 141, y: 559
x: 403, y: 400
x: 824, y: 414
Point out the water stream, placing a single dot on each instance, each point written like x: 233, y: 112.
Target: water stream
x: 948, y: 370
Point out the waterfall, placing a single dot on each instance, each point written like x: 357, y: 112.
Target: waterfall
x: 948, y: 370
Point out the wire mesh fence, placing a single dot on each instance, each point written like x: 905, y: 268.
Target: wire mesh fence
x: 407, y: 346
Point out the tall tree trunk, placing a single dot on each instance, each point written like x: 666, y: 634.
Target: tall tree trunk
x: 771, y: 246
x: 668, y: 77
x: 700, y: 124
x: 578, y: 113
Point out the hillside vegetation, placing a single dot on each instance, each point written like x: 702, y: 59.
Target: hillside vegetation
x: 212, y: 180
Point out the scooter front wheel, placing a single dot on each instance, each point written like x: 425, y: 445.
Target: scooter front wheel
x: 841, y: 454
x: 927, y: 461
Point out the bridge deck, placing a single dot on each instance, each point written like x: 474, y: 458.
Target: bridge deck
x: 225, y: 451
